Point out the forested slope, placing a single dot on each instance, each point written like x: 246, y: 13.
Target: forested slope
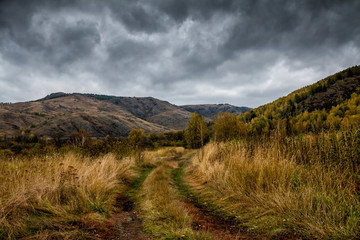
x: 331, y: 103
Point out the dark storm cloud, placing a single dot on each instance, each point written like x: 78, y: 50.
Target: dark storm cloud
x: 246, y: 52
x: 202, y: 9
x: 73, y: 43
x: 136, y: 17
x: 33, y: 36
x: 296, y: 25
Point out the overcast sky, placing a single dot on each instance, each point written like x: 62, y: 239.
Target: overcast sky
x: 242, y: 52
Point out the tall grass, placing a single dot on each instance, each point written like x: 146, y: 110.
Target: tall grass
x: 38, y: 196
x: 269, y: 189
x: 340, y: 148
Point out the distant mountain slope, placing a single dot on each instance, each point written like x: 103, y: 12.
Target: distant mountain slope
x: 210, y: 110
x: 324, y: 104
x: 100, y: 115
x: 69, y: 113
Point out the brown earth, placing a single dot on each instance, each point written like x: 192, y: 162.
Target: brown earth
x: 123, y: 224
x: 205, y: 220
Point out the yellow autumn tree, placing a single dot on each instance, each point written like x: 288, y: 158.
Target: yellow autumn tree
x: 196, y: 131
x: 136, y: 137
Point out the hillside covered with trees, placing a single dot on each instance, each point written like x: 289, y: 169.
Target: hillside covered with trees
x: 330, y: 104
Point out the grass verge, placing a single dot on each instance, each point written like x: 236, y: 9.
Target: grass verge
x: 47, y: 197
x: 275, y: 195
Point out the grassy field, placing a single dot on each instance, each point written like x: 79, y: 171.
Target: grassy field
x: 44, y: 196
x: 279, y: 188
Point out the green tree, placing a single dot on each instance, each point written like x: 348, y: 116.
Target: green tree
x: 227, y: 126
x: 196, y: 131
x: 153, y: 137
x: 257, y: 125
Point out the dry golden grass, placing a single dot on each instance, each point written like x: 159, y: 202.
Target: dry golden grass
x: 38, y: 195
x: 275, y: 195
x: 155, y: 158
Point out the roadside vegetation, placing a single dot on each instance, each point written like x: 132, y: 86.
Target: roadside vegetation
x: 56, y: 188
x: 271, y: 190
x: 47, y: 197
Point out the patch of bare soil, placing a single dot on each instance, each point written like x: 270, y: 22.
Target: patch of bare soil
x: 123, y: 224
x: 205, y: 220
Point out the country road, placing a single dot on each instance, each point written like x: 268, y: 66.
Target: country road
x: 159, y: 208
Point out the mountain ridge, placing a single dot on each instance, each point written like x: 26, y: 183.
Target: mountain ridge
x: 100, y: 115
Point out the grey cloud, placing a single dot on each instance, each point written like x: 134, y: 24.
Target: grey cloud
x: 22, y: 42
x: 66, y: 45
x: 200, y: 9
x: 132, y: 50
x: 69, y: 44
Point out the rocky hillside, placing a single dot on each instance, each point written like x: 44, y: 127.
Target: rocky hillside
x: 150, y: 109
x: 327, y: 97
x: 100, y: 115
